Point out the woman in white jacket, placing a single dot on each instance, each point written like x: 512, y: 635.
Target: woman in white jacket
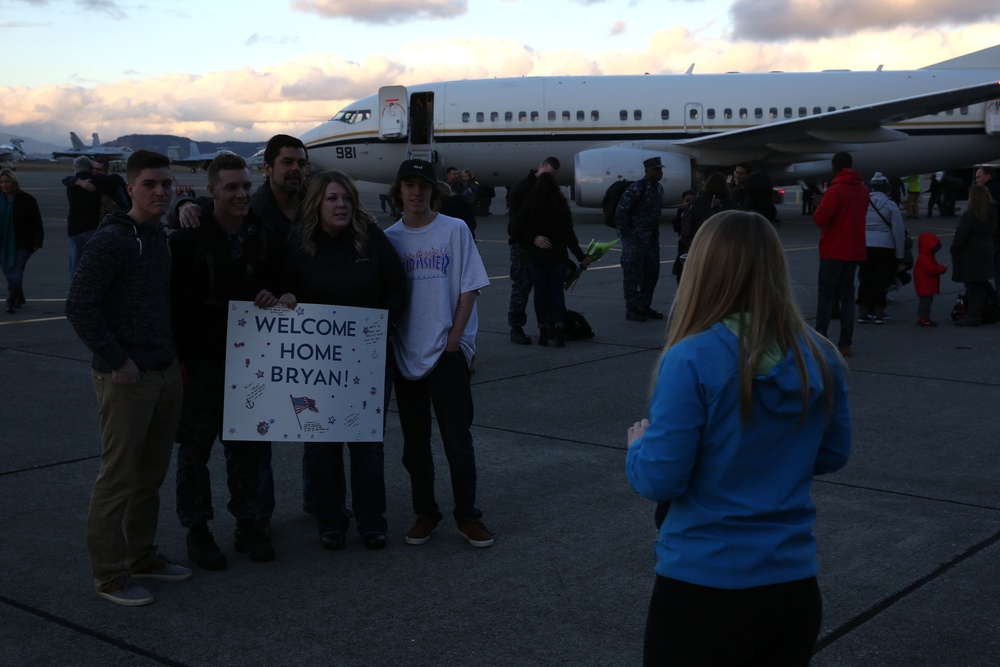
x: 885, y: 238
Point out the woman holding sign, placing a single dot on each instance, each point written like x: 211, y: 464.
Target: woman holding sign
x: 749, y: 404
x: 340, y: 258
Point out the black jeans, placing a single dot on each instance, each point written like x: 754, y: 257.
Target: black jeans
x: 448, y: 390
x: 836, y: 282
x: 769, y: 626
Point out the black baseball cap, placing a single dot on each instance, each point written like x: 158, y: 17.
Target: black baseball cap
x: 420, y: 168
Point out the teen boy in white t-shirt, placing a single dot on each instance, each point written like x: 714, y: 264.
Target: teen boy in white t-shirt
x: 433, y: 346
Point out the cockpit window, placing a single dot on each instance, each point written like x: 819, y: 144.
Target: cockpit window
x: 351, y: 116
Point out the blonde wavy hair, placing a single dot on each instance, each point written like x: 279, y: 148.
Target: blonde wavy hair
x: 736, y: 266
x: 308, y: 219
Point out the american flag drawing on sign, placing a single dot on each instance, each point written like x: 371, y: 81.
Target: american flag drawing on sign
x: 301, y: 403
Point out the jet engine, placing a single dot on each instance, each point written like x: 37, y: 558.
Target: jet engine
x: 598, y: 168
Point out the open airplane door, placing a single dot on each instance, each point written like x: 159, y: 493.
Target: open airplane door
x: 421, y: 146
x: 392, y: 112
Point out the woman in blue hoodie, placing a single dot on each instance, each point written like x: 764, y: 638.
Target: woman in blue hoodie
x: 749, y: 404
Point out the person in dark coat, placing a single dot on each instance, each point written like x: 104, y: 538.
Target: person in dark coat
x: 339, y: 259
x: 760, y: 196
x: 972, y: 252
x: 544, y: 228
x: 21, y: 234
x: 714, y: 198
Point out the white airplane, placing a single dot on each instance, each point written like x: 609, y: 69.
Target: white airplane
x: 601, y: 128
x: 95, y: 149
x: 12, y: 152
x: 256, y: 161
x: 195, y: 157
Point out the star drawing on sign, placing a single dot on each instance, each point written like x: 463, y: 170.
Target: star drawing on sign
x: 260, y: 374
x: 378, y: 410
x: 332, y: 420
x: 242, y: 322
x: 300, y: 310
x: 234, y: 386
x: 357, y: 380
x: 232, y: 430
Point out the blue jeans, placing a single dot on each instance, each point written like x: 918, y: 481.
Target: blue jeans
x: 550, y: 300
x: 76, y: 243
x: 15, y: 276
x: 836, y: 281
x: 448, y: 390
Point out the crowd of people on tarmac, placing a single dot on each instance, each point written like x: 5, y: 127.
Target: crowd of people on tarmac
x: 150, y: 301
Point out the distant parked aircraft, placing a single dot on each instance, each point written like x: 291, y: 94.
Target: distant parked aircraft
x: 12, y: 152
x: 94, y: 150
x: 195, y: 157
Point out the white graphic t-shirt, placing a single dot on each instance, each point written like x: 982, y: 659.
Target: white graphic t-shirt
x: 441, y: 263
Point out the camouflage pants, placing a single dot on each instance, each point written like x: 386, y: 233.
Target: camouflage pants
x: 200, y: 424
x: 520, y: 287
x: 640, y: 268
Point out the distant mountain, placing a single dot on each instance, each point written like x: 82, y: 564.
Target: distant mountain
x: 161, y: 142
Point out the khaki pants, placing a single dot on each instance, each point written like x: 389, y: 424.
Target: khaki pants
x: 913, y: 204
x: 137, y: 423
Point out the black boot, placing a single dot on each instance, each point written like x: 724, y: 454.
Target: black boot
x: 249, y: 541
x: 543, y: 336
x: 560, y: 337
x: 202, y: 549
x: 518, y: 336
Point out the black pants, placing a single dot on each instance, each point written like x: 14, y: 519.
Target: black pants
x: 769, y: 626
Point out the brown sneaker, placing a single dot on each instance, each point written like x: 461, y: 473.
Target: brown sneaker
x: 474, y: 531
x: 421, y: 530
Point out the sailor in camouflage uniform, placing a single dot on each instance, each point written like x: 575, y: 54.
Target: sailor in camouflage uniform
x: 638, y: 221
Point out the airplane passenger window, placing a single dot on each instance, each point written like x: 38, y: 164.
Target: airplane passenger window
x: 964, y: 111
x: 803, y: 112
x: 788, y: 112
x: 758, y: 112
x: 522, y: 116
x: 465, y: 117
x: 817, y: 110
x: 623, y: 115
x: 552, y: 115
x: 831, y: 108
x: 772, y: 112
x: 950, y: 112
x: 580, y: 115
x: 565, y: 116
x: 664, y: 114
x: 727, y: 114
x: 637, y: 115
x: 743, y: 114
x: 710, y: 113
x: 693, y: 113
x: 508, y: 116
x: 595, y: 115
x: 534, y: 116
x: 480, y: 116
x: 494, y: 117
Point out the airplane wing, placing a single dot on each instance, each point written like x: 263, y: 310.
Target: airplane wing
x: 832, y: 131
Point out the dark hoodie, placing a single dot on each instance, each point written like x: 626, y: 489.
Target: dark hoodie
x: 927, y: 272
x: 119, y: 301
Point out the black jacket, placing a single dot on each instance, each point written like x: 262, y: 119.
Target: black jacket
x: 552, y: 219
x: 84, y: 205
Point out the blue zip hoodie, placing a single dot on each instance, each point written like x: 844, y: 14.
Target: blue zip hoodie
x: 740, y: 513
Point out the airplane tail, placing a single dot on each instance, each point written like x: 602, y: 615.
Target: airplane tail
x: 194, y: 152
x: 173, y: 152
x: 97, y: 141
x: 988, y: 58
x: 17, y: 144
x: 77, y: 144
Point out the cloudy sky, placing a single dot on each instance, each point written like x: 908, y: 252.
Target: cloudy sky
x: 230, y: 70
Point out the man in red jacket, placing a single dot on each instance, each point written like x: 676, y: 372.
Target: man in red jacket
x: 840, y: 216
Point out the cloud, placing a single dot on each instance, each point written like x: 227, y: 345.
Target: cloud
x: 293, y: 96
x: 618, y: 27
x: 278, y: 40
x: 816, y: 19
x: 383, y: 11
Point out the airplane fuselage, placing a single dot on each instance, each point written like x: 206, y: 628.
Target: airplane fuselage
x: 501, y: 128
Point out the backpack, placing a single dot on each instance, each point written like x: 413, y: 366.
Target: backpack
x: 577, y: 327
x: 991, y: 307
x: 613, y: 195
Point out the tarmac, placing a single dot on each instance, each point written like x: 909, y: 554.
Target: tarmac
x: 908, y: 531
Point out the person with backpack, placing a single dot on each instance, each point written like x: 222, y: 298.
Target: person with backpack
x: 885, y: 246
x: 637, y: 219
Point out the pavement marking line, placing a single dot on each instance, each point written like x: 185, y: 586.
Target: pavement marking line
x: 39, y: 319
x: 100, y: 636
